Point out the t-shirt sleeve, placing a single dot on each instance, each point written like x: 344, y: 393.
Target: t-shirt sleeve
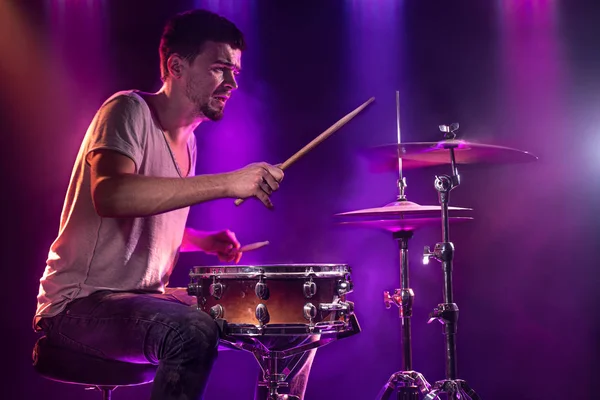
x: 118, y: 126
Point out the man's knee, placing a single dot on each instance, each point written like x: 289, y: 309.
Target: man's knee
x: 195, y: 333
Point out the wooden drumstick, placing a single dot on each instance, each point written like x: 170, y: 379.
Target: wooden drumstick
x: 253, y: 246
x: 316, y: 141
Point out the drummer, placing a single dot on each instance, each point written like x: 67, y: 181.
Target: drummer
x: 103, y: 291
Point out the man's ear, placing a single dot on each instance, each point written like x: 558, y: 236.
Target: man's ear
x: 176, y: 65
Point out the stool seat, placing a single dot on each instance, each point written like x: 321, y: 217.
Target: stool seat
x: 64, y: 365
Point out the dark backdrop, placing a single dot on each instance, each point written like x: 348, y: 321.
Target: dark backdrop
x: 523, y: 74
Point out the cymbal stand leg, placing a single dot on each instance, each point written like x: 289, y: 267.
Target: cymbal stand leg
x: 409, y: 383
x: 447, y: 312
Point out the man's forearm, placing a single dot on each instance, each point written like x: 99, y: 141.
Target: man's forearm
x: 190, y: 240
x: 133, y: 195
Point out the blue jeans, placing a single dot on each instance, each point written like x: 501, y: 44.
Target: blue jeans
x: 161, y: 329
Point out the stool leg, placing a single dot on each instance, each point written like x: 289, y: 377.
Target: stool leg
x: 106, y: 393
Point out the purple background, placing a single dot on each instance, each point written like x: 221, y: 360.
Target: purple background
x: 524, y: 74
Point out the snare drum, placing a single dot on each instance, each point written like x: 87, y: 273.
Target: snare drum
x: 294, y: 299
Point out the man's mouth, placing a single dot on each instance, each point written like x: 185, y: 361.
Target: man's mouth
x: 221, y: 98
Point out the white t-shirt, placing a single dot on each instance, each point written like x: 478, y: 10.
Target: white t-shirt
x: 92, y: 253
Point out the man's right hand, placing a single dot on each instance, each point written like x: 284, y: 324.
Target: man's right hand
x: 257, y: 179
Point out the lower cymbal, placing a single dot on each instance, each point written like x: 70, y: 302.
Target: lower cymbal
x: 404, y: 224
x: 398, y: 208
x: 425, y: 154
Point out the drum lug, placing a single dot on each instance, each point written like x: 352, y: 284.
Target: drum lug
x: 310, y: 312
x: 216, y: 290
x: 261, y: 290
x: 217, y: 311
x: 194, y: 289
x: 310, y: 288
x: 344, y: 286
x: 262, y: 314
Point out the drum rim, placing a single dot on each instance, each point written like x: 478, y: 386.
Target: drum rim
x: 321, y: 328
x: 274, y: 265
x: 303, y: 269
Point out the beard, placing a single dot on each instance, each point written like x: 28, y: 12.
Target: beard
x: 202, y: 106
x: 211, y: 113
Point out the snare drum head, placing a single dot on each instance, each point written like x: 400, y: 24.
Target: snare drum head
x: 271, y: 270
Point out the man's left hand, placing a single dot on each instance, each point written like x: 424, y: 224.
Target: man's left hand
x: 223, y: 244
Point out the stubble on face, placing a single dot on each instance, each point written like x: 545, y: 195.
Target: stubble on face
x: 201, y: 100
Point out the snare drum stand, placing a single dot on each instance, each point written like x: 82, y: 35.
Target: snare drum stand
x: 274, y: 377
x: 447, y: 312
x: 407, y: 382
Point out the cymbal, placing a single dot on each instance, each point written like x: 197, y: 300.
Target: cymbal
x: 398, y: 208
x: 424, y: 154
x: 404, y: 224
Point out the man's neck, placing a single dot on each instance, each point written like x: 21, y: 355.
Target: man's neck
x: 175, y: 115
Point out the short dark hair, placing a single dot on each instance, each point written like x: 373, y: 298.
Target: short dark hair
x: 185, y: 34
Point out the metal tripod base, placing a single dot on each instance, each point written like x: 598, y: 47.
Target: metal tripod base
x: 409, y: 384
x: 455, y: 389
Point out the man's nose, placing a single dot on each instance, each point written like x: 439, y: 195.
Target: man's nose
x: 230, y: 82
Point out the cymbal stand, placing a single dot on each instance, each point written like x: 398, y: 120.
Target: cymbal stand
x: 447, y: 312
x: 409, y: 383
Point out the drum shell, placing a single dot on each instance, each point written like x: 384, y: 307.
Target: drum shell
x: 287, y: 297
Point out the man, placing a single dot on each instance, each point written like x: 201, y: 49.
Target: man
x: 104, y: 290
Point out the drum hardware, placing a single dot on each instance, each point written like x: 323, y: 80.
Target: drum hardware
x: 310, y: 312
x: 274, y: 377
x: 195, y: 289
x: 407, y: 382
x: 261, y: 289
x: 262, y: 314
x: 447, y: 312
x: 344, y: 307
x: 401, y: 180
x: 402, y: 218
x: 216, y: 289
x: 304, y: 329
x: 216, y: 311
x: 310, y: 288
x: 344, y: 286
